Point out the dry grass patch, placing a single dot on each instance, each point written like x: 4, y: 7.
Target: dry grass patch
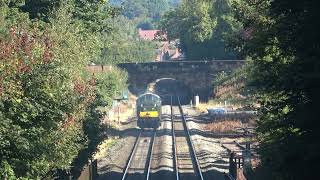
x: 202, y: 107
x: 103, y: 148
x: 224, y: 126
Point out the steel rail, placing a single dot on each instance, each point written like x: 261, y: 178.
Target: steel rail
x: 193, y: 152
x: 150, y: 155
x: 174, y: 146
x: 133, y: 152
x: 132, y: 155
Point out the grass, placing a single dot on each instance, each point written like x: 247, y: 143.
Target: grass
x: 224, y: 126
x: 202, y: 107
x: 103, y: 147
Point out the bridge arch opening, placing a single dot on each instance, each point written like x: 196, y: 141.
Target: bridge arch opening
x: 170, y: 87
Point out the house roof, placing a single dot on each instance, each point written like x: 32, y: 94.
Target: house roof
x: 149, y: 34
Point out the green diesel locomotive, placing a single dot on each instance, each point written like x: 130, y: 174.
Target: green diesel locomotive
x: 148, y: 111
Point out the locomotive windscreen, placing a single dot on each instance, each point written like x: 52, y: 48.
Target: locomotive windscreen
x: 149, y: 100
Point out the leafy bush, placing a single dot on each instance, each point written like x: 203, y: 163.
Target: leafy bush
x: 281, y: 41
x: 39, y: 104
x: 48, y: 104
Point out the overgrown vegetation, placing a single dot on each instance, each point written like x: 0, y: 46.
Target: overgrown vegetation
x: 48, y: 103
x: 232, y: 88
x: 123, y: 44
x: 203, y: 28
x: 281, y: 42
x: 145, y: 13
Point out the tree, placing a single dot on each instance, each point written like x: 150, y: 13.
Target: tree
x: 145, y: 11
x: 133, y: 9
x: 156, y: 8
x: 174, y: 3
x: 40, y: 9
x: 38, y: 105
x: 280, y: 37
x: 123, y: 44
x: 94, y: 13
x: 48, y: 103
x: 202, y: 27
x: 91, y: 13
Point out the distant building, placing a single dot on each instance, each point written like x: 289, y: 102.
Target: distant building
x: 164, y: 52
x: 151, y: 35
x: 176, y: 54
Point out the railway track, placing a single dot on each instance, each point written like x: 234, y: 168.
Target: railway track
x: 140, y: 159
x: 186, y: 164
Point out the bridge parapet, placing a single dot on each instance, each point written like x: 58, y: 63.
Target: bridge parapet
x: 184, y: 66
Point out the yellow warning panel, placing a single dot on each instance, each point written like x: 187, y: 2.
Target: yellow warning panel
x: 149, y: 114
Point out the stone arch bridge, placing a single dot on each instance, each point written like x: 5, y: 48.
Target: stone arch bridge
x: 198, y: 76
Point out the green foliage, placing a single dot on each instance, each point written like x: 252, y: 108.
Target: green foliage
x: 237, y: 75
x: 111, y: 84
x: 202, y: 27
x: 146, y: 13
x: 231, y: 87
x: 174, y: 3
x: 123, y: 44
x: 38, y: 100
x: 156, y: 8
x: 108, y: 86
x: 6, y: 172
x: 145, y: 8
x: 40, y: 9
x: 93, y: 14
x: 282, y: 44
x: 120, y: 43
x: 145, y: 25
x: 48, y: 104
x: 134, y: 9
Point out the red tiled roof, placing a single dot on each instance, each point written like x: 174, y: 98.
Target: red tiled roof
x: 149, y: 34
